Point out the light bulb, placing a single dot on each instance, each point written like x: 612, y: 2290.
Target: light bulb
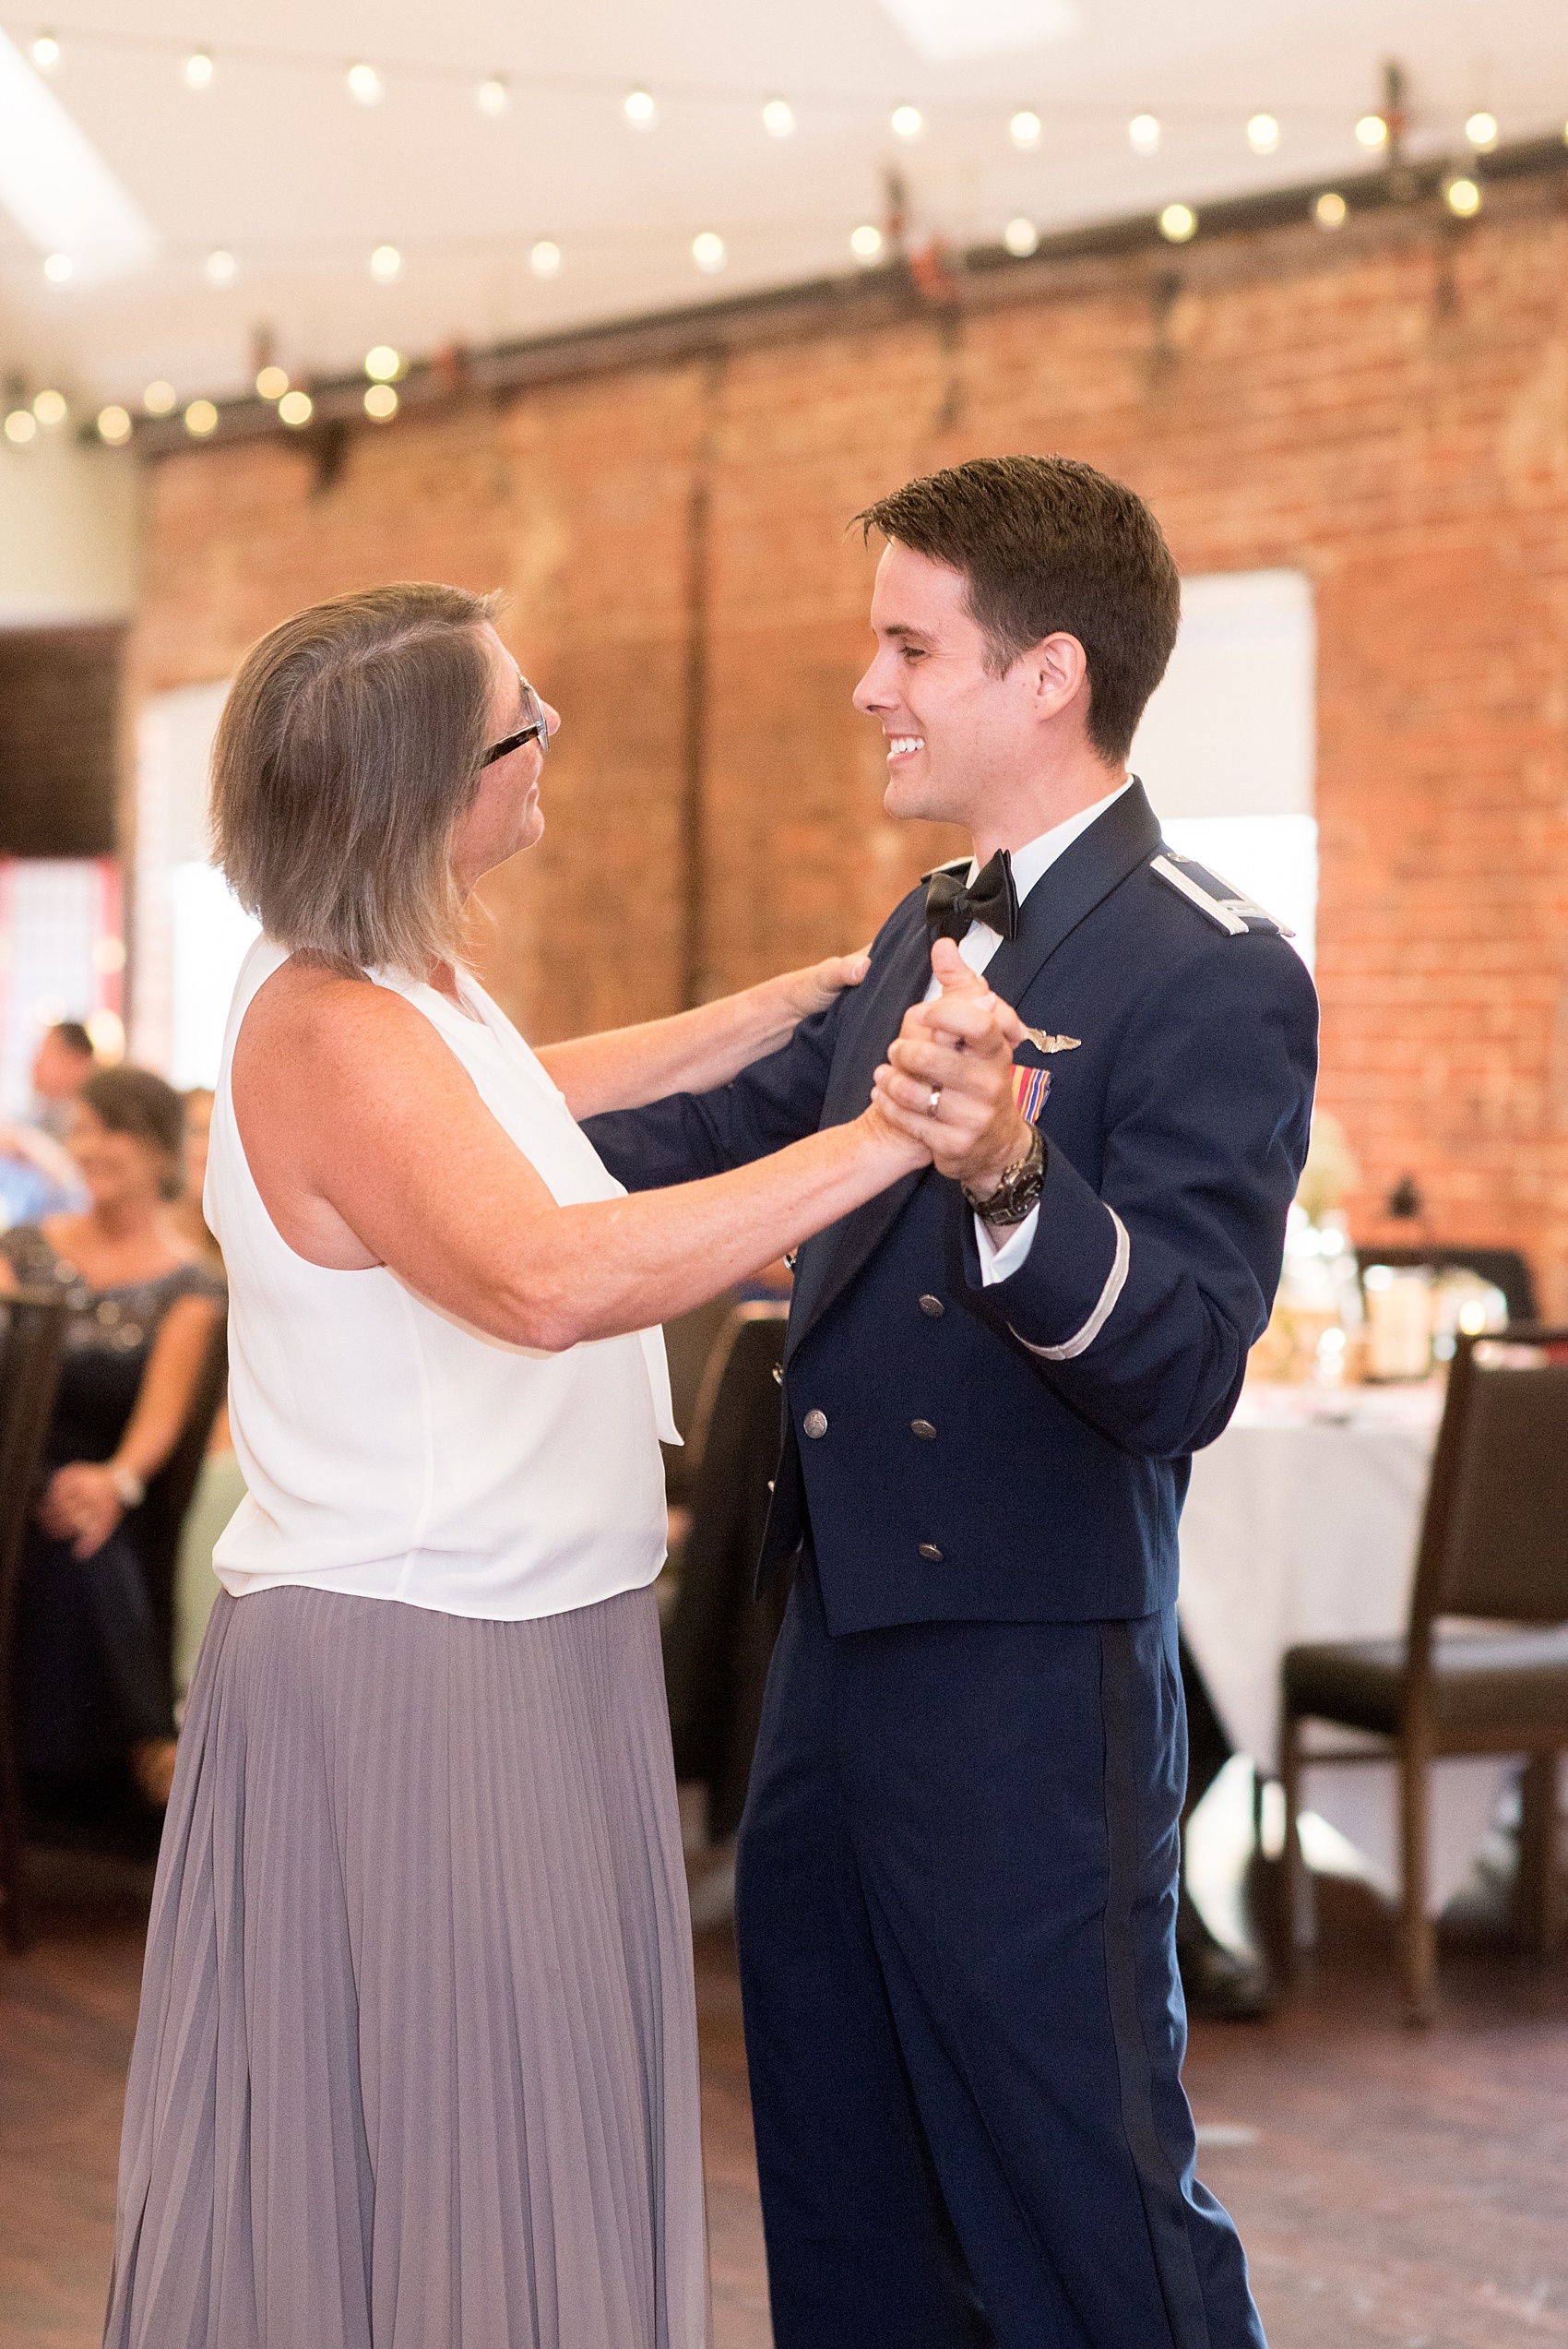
x: 50, y: 408
x: 779, y: 118
x: 865, y: 243
x: 640, y: 110
x: 201, y: 418
x: 1178, y: 222
x: 59, y: 269
x: 295, y: 409
x: 1330, y: 209
x: 383, y: 363
x: 159, y: 399
x: 385, y: 263
x: 221, y: 268
x: 1263, y: 134
x: 199, y: 70
x: 1144, y: 133
x: 707, y: 252
x: 364, y: 83
x: 1025, y: 129
x: 1373, y: 131
x: 272, y: 383
x: 46, y: 56
x: 907, y: 122
x: 1021, y: 237
x: 493, y: 96
x: 1463, y: 198
x: 114, y: 424
x: 545, y: 259
x: 1482, y: 131
x: 21, y: 425
x: 380, y: 403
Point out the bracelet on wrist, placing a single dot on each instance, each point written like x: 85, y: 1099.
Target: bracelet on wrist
x: 130, y: 1489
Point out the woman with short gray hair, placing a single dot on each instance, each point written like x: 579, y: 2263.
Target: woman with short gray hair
x: 417, y: 2059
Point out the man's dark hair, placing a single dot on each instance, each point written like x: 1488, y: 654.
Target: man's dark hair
x: 74, y: 1036
x: 133, y: 1100
x: 1047, y: 544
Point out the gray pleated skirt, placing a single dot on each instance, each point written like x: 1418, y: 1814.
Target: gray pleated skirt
x: 416, y: 2065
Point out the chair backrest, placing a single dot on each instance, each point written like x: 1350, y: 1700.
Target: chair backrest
x: 32, y: 1346
x: 158, y: 1521
x: 1505, y: 1269
x: 1494, y: 1540
x: 748, y: 1347
x: 689, y: 1341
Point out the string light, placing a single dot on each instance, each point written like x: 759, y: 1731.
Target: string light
x: 640, y: 110
x: 1373, y: 131
x: 1263, y: 134
x: 707, y: 252
x: 779, y: 118
x: 295, y: 409
x: 380, y: 403
x: 385, y: 263
x: 201, y: 418
x: 907, y: 122
x: 221, y: 268
x: 50, y: 408
x: 1021, y: 237
x: 493, y: 96
x: 365, y: 85
x: 272, y: 383
x: 21, y: 425
x: 59, y: 269
x: 1463, y: 198
x: 545, y: 259
x: 382, y: 364
x: 1178, y: 222
x: 1143, y: 132
x: 1026, y: 129
x: 159, y: 399
x: 113, y: 425
x: 199, y: 70
x: 46, y: 52
x: 865, y: 243
x: 1481, y: 132
x: 1330, y: 209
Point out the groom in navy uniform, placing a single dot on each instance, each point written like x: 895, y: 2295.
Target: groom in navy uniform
x: 958, y: 1863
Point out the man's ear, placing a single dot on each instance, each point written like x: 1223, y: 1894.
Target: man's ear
x: 1060, y: 672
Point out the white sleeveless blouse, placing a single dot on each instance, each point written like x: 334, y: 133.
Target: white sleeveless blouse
x: 390, y: 1452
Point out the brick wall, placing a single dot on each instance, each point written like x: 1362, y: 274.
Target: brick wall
x: 59, y: 738
x: 1387, y: 410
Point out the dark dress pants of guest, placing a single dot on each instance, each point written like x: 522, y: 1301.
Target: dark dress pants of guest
x: 92, y: 1675
x: 956, y: 1902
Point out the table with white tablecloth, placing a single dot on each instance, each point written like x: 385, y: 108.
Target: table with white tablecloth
x: 1302, y: 1525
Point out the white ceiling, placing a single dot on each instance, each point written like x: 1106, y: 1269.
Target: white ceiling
x: 276, y: 164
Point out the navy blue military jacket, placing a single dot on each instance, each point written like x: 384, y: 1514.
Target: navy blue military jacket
x: 1021, y: 1452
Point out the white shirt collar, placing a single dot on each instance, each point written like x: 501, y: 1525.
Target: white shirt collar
x: 1037, y: 857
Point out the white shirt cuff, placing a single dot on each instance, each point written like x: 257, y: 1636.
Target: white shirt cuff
x: 1001, y: 1257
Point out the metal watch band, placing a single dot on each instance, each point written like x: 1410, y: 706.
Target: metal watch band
x: 1018, y: 1192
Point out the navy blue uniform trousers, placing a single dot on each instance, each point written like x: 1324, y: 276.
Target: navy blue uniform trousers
x: 955, y: 1905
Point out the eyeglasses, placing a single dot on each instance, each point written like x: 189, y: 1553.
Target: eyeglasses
x: 537, y: 729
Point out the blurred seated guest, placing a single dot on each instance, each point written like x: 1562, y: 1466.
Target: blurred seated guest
x: 61, y: 1067
x: 93, y: 1683
x: 37, y: 1177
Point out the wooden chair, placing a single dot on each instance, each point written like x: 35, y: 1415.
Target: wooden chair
x: 30, y: 1352
x: 1505, y: 1267
x: 1494, y: 1550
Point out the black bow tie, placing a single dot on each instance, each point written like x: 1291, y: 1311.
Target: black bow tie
x: 952, y: 904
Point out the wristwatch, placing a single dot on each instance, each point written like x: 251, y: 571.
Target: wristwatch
x: 129, y: 1486
x: 1018, y: 1193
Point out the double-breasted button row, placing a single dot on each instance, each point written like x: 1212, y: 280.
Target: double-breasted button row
x: 930, y: 1552
x: 933, y: 1307
x: 814, y: 1423
x: 923, y: 1429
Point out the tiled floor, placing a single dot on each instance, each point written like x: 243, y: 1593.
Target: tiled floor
x: 1399, y: 2190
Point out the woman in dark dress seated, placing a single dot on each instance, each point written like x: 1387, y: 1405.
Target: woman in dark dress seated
x: 92, y: 1674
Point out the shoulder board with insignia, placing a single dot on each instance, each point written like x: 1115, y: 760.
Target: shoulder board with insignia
x: 957, y: 864
x: 1225, y: 906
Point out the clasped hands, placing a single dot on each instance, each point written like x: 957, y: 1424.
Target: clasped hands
x: 947, y: 1081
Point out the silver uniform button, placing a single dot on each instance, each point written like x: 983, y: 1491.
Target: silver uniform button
x: 930, y: 1553
x: 923, y: 1429
x: 935, y: 1307
x: 779, y: 1374
x: 815, y: 1422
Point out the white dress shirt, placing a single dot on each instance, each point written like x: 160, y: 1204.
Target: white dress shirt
x: 1001, y: 1257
